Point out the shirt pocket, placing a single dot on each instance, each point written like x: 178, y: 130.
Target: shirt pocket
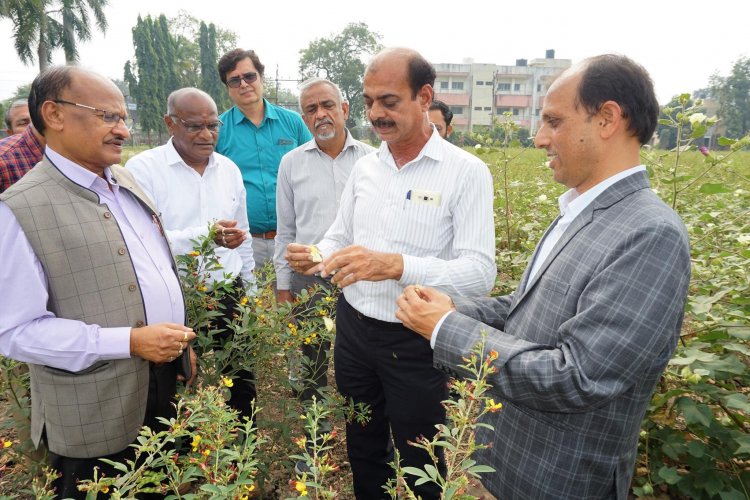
x: 421, y: 228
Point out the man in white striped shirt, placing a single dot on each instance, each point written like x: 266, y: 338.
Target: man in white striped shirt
x: 417, y: 211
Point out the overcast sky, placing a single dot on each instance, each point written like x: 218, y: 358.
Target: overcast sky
x: 681, y: 43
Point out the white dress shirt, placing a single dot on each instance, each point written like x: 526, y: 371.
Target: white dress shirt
x: 190, y: 202
x: 436, y: 211
x: 308, y: 192
x: 571, y: 205
x: 31, y: 333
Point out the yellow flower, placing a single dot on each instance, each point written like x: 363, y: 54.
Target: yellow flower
x: 201, y: 288
x: 493, y: 407
x: 194, y: 253
x: 206, y: 452
x: 329, y: 299
x: 300, y: 441
x: 493, y: 355
x: 227, y: 381
x: 104, y: 489
x: 7, y: 444
x: 244, y: 300
x: 250, y: 488
x: 301, y: 487
x: 196, y: 442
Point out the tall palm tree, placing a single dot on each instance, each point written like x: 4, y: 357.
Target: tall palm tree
x: 40, y: 26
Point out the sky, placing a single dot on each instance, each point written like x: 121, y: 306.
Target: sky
x: 681, y: 43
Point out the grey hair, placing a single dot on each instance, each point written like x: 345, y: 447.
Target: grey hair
x: 15, y: 104
x: 175, y: 96
x: 311, y: 82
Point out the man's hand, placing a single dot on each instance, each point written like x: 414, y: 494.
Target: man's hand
x: 284, y: 296
x: 228, y: 235
x: 193, y: 367
x: 300, y: 259
x: 420, y: 309
x: 160, y: 343
x: 355, y: 263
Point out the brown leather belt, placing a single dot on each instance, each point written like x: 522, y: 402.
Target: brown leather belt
x: 268, y: 235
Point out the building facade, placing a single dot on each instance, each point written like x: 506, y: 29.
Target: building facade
x: 479, y: 93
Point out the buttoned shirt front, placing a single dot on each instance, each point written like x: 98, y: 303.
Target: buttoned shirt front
x: 436, y: 211
x: 257, y: 151
x: 189, y: 202
x: 31, y: 333
x: 308, y: 192
x: 18, y: 154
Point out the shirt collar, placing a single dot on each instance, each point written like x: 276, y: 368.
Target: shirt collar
x: 32, y: 140
x: 571, y: 203
x: 269, y: 113
x: 348, y: 143
x: 79, y: 174
x: 174, y: 158
x: 434, y: 148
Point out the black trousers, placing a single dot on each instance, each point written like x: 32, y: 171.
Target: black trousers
x: 161, y: 391
x: 388, y: 367
x: 243, y: 392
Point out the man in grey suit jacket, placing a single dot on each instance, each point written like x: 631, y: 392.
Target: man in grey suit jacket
x: 585, y: 338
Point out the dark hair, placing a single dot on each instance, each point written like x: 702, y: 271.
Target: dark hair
x: 444, y: 110
x: 229, y: 61
x: 47, y: 86
x: 618, y: 78
x: 420, y: 72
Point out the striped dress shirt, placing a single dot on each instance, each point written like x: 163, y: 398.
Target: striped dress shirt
x: 308, y: 192
x: 436, y: 211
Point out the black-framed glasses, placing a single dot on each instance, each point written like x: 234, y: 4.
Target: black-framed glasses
x: 109, y: 117
x: 236, y: 81
x: 194, y: 128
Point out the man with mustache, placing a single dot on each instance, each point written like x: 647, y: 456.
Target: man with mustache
x: 193, y: 187
x: 308, y: 190
x: 441, y: 116
x: 256, y: 134
x: 418, y: 211
x: 96, y: 308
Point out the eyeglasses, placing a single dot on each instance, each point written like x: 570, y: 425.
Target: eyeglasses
x: 236, y: 81
x: 109, y: 117
x: 194, y: 128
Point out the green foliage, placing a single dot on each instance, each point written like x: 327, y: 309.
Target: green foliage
x: 733, y: 93
x: 40, y: 26
x: 339, y: 59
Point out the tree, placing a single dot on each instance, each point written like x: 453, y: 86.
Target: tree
x: 40, y: 26
x: 733, y: 93
x: 339, y: 59
x: 209, y: 73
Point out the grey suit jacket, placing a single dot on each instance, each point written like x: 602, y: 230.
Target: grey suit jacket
x: 581, y: 348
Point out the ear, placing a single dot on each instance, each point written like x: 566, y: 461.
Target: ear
x: 345, y: 109
x: 169, y: 122
x: 610, y: 119
x: 53, y: 116
x: 449, y: 130
x: 425, y: 96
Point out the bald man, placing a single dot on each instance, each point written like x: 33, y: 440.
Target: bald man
x: 96, y: 309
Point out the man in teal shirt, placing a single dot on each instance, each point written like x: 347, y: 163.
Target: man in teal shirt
x: 255, y: 135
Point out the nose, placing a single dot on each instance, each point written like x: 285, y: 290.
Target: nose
x: 375, y: 111
x: 541, y: 139
x: 122, y: 128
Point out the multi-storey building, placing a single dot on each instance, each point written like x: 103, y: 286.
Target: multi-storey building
x: 478, y: 93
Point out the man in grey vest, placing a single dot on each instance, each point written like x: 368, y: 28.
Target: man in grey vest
x: 96, y: 308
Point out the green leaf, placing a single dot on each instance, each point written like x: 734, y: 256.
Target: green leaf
x: 696, y: 448
x: 709, y: 188
x: 669, y: 475
x: 725, y: 141
x: 744, y: 444
x: 695, y: 413
x: 415, y: 472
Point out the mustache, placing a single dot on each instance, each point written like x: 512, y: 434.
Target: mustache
x: 324, y: 121
x: 381, y: 122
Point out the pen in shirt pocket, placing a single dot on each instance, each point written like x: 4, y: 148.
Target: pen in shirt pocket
x: 408, y: 197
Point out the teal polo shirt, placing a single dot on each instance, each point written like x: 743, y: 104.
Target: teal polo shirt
x: 258, y: 151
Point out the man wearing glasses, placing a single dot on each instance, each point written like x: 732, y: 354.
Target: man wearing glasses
x: 96, y: 308
x: 192, y: 186
x: 255, y: 135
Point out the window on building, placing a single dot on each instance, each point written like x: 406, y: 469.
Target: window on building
x: 488, y: 83
x: 444, y: 84
x: 538, y: 87
x: 480, y: 83
x: 536, y: 112
x: 477, y: 108
x: 457, y: 85
x: 517, y: 87
x: 488, y: 108
x: 503, y: 87
x: 516, y: 111
x: 457, y: 110
x: 500, y: 111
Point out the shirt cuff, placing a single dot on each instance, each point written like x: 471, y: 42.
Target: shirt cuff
x: 433, y: 338
x: 413, y: 273
x: 114, y: 343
